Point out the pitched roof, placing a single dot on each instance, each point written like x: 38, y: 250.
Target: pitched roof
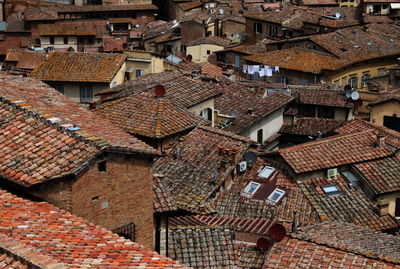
x: 391, y: 94
x: 67, y: 29
x: 354, y: 239
x: 191, y: 246
x: 25, y: 59
x: 250, y: 108
x: 350, y: 205
x: 333, y: 151
x: 60, y: 135
x: 71, y: 240
x: 231, y: 203
x: 392, y: 137
x: 190, y: 5
x: 209, y: 69
x: 163, y: 201
x: 79, y: 67
x: 148, y: 115
x: 382, y: 174
x: 188, y: 172
x: 333, y: 98
x: 214, y: 40
x: 311, y: 126
x: 298, y: 250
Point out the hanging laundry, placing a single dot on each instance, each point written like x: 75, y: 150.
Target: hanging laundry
x: 245, y: 68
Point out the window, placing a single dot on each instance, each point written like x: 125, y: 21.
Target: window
x: 351, y: 178
x: 237, y: 61
x: 288, y: 33
x: 344, y: 79
x: 284, y: 80
x: 102, y: 166
x: 276, y: 195
x: 257, y: 28
x: 353, y: 81
x: 65, y: 39
x: 209, y: 33
x: 273, y: 30
x: 86, y: 93
x: 59, y: 88
x: 397, y: 208
x: 266, y: 172
x: 331, y: 189
x: 168, y: 48
x: 306, y: 111
x: 139, y: 72
x: 52, y: 40
x: 208, y: 52
x: 364, y: 79
x: 251, y: 188
x: 392, y: 122
x: 183, y: 48
x: 206, y: 114
x: 260, y: 136
x: 381, y: 71
x: 127, y: 231
x: 326, y: 112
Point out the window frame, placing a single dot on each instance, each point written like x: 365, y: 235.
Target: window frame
x: 327, y: 192
x: 83, y: 97
x: 248, y: 186
x: 280, y: 192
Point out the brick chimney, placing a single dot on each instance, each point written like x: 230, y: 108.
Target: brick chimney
x: 380, y: 143
x: 383, y: 207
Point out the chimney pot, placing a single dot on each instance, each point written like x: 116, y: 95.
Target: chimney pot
x: 92, y: 104
x: 383, y: 207
x: 380, y: 139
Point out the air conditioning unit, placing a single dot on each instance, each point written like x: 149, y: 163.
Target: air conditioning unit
x: 332, y: 173
x: 241, y: 167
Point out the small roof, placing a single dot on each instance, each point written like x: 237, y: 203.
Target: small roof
x: 26, y: 59
x: 333, y: 152
x: 213, y: 40
x: 190, y: 5
x: 69, y: 240
x: 311, y: 126
x: 79, y: 67
x: 163, y: 201
x: 392, y: 93
x: 321, y: 97
x: 335, y: 244
x: 67, y: 29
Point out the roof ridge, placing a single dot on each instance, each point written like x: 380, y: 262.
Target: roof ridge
x: 49, y: 119
x: 225, y: 133
x: 323, y: 140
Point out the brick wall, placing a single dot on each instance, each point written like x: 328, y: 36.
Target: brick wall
x: 191, y: 31
x: 121, y: 194
x: 231, y: 27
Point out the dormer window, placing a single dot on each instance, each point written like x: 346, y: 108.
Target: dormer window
x: 251, y: 188
x: 351, y: 178
x: 276, y: 195
x: 331, y: 189
x: 266, y: 172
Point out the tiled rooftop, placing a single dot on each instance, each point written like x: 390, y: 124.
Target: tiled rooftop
x: 214, y: 40
x: 382, y: 174
x: 25, y: 59
x: 163, y: 201
x: 232, y: 203
x: 311, y: 126
x: 248, y: 255
x: 390, y: 94
x: 354, y: 239
x: 191, y: 246
x: 79, y: 67
x: 209, y: 69
x: 71, y: 240
x: 392, y: 137
x: 333, y: 152
x: 188, y: 169
x: 67, y: 29
x: 148, y: 115
x: 190, y: 5
x: 350, y: 205
x: 60, y: 136
x: 332, y: 98
x: 240, y: 99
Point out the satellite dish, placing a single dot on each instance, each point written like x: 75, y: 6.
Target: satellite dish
x: 355, y: 95
x: 189, y: 58
x: 338, y: 15
x: 159, y: 90
x: 263, y: 244
x: 250, y: 157
x: 277, y: 232
x: 348, y: 94
x: 221, y: 11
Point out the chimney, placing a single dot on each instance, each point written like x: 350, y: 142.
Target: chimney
x: 92, y: 104
x: 383, y: 207
x: 380, y: 143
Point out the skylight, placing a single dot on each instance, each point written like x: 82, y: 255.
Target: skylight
x: 251, y: 188
x: 276, y: 195
x: 266, y: 172
x: 351, y: 178
x: 331, y: 189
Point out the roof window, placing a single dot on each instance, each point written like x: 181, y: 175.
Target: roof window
x: 251, y: 188
x: 351, y: 178
x: 266, y: 172
x: 276, y: 195
x: 331, y: 189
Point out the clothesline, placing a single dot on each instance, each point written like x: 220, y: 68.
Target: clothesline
x: 262, y: 70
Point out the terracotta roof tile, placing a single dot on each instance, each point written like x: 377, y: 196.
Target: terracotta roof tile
x: 250, y: 256
x: 353, y: 239
x: 68, y: 239
x: 55, y: 130
x: 214, y: 40
x: 148, y: 115
x: 311, y: 126
x: 188, y: 169
x: 239, y: 99
x: 26, y: 59
x: 191, y: 246
x: 334, y: 151
x: 190, y: 5
x: 382, y: 174
x: 79, y: 67
x: 209, y: 69
x: 333, y: 98
x: 391, y: 94
x: 163, y: 201
x: 350, y: 205
x: 67, y: 29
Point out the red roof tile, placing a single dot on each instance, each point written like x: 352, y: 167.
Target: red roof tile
x: 311, y: 126
x: 163, y: 201
x: 209, y: 69
x: 214, y: 40
x: 190, y: 5
x: 334, y: 151
x: 25, y: 59
x: 79, y: 67
x: 68, y: 239
x: 67, y: 29
x: 333, y: 98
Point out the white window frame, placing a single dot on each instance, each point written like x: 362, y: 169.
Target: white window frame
x: 267, y: 168
x: 280, y: 192
x: 246, y: 190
